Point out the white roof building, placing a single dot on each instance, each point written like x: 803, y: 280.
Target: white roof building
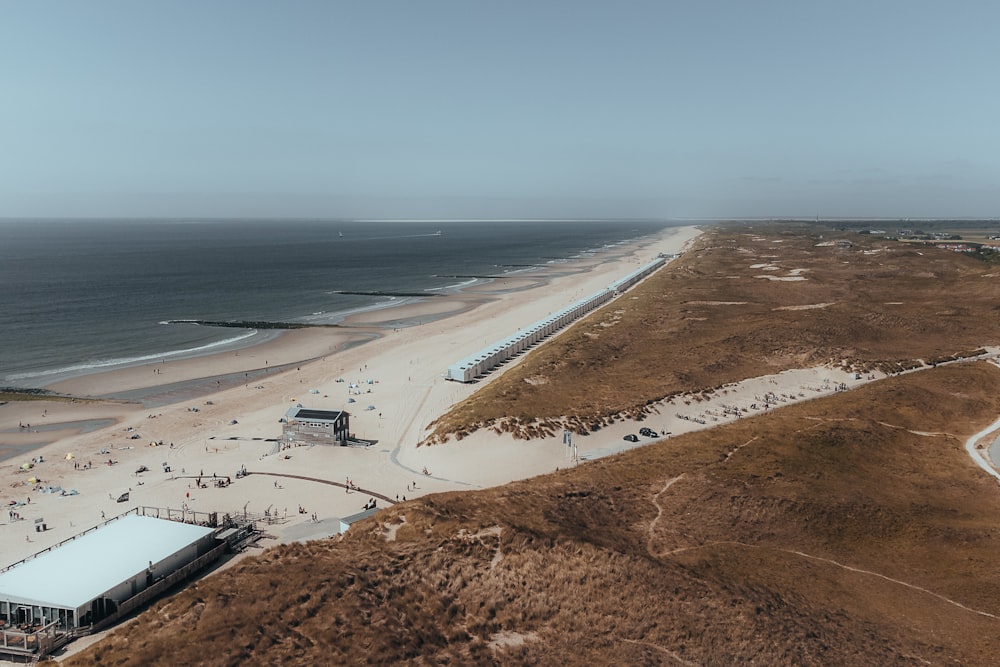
x: 347, y: 521
x: 85, y: 579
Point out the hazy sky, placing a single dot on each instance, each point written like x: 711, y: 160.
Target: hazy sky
x: 424, y: 108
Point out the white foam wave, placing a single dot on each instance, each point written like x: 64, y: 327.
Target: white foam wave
x: 132, y: 361
x: 334, y: 317
x: 460, y: 285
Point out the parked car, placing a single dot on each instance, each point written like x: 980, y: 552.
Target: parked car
x: 648, y: 432
x: 632, y: 437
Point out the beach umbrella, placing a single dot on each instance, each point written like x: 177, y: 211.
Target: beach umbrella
x: 69, y: 456
x: 33, y: 480
x: 27, y: 466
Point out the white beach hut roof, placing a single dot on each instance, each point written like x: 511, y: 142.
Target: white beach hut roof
x: 86, y: 568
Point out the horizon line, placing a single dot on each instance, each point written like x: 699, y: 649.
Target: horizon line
x: 759, y: 218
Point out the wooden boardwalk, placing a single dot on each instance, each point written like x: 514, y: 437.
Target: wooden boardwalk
x: 374, y: 494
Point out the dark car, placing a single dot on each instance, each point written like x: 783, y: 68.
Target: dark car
x: 632, y: 437
x: 648, y: 432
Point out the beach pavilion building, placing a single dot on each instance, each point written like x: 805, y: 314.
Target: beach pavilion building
x: 95, y: 578
x: 305, y: 426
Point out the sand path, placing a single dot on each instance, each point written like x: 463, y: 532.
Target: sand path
x: 978, y: 454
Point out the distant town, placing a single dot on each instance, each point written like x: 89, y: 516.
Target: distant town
x: 975, y: 240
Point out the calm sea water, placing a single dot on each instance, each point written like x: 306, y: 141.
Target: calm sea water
x: 81, y: 295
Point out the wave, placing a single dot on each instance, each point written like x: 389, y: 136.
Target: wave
x: 335, y: 317
x: 460, y: 285
x: 131, y: 361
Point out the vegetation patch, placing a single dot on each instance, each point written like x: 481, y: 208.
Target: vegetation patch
x: 835, y: 531
x: 675, y: 338
x: 13, y: 394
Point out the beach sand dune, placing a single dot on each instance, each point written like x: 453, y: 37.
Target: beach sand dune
x: 217, y: 414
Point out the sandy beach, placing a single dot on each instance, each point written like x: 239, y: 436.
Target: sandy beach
x: 220, y: 413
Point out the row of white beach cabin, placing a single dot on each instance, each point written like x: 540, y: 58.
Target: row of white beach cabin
x: 488, y: 358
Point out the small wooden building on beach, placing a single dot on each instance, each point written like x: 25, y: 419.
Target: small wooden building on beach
x: 305, y: 426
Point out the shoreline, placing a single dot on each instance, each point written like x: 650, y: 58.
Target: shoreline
x: 419, y: 308
x: 218, y: 430
x: 302, y: 345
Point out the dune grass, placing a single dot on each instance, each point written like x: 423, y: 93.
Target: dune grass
x: 832, y: 532
x: 716, y: 315
x: 847, y: 530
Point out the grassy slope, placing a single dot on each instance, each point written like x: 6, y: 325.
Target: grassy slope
x: 608, y: 563
x: 843, y: 531
x: 708, y: 319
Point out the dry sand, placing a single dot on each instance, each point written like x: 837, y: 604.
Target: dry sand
x: 240, y: 397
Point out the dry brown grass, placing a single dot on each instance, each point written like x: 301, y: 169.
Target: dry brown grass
x: 827, y: 533
x: 708, y: 319
x: 850, y: 530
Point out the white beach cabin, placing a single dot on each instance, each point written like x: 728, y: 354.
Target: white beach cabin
x: 476, y: 365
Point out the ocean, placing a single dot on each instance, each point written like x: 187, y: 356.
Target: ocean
x: 79, y: 296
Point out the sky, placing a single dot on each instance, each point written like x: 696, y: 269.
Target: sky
x: 443, y: 109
